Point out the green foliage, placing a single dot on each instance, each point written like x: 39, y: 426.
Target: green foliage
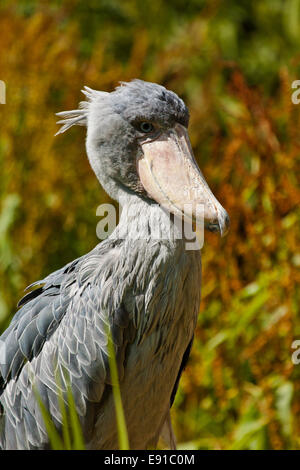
x: 54, y: 437
x: 233, y: 63
x: 120, y: 417
x: 72, y: 438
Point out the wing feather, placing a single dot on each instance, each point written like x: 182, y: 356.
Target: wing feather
x: 57, y: 337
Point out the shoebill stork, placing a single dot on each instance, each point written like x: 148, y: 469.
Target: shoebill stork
x: 146, y: 288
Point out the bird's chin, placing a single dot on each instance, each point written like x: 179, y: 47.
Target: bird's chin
x: 170, y: 175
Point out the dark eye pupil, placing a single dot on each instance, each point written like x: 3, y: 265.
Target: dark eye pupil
x: 146, y: 127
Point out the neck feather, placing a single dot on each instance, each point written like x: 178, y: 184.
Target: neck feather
x: 142, y: 219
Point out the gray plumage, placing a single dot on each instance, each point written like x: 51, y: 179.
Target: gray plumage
x: 146, y: 289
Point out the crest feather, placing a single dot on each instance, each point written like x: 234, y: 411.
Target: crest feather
x: 78, y: 117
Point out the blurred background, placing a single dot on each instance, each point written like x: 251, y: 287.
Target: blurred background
x: 233, y: 63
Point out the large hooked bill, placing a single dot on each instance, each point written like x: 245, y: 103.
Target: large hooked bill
x: 170, y: 175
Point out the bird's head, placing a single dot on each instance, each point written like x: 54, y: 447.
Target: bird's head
x: 137, y: 141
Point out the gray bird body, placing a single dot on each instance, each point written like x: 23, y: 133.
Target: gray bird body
x: 146, y: 288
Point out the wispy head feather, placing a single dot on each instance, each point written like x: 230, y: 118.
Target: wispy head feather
x: 78, y: 117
